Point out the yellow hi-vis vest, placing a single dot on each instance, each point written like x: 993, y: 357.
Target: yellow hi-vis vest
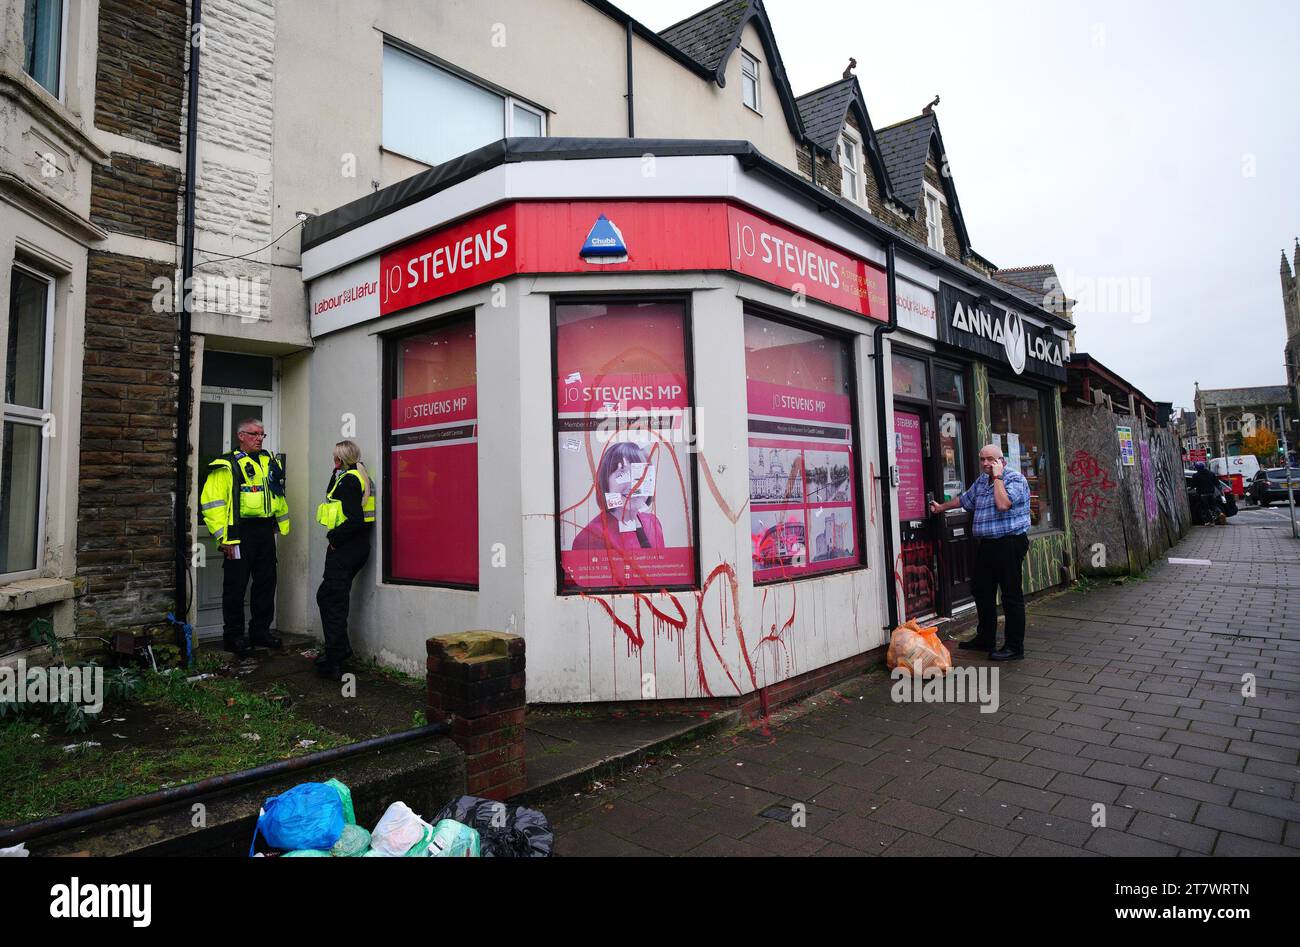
x: 330, y: 513
x: 261, y: 494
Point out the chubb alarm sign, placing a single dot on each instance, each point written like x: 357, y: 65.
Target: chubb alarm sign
x: 999, y: 334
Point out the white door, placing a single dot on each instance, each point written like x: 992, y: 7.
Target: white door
x: 220, y: 411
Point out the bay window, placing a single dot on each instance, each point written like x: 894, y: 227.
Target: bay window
x: 1021, y: 422
x: 43, y: 43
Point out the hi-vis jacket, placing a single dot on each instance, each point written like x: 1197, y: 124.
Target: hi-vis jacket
x: 261, y: 494
x: 330, y: 514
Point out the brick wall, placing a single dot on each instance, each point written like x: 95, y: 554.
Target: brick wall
x: 136, y: 197
x: 140, y: 71
x: 828, y: 172
x: 124, y: 532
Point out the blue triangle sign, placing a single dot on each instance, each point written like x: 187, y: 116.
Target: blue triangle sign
x: 605, y: 239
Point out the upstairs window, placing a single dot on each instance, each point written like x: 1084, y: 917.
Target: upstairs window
x: 933, y: 219
x: 43, y: 42
x: 432, y: 115
x: 749, y: 81
x: 850, y: 167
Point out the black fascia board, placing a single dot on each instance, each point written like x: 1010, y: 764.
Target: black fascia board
x: 364, y: 210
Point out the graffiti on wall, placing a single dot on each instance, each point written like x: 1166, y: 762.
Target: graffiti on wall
x: 1169, y: 483
x: 1090, y: 487
x: 1044, y: 563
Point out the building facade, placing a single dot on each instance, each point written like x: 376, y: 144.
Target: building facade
x: 1225, y: 416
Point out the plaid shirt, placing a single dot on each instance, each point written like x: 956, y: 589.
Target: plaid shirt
x: 990, y: 522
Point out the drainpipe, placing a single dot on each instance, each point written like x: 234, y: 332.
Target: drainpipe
x: 886, y: 498
x: 631, y: 121
x: 181, y: 511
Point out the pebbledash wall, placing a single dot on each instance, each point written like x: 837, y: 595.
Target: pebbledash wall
x: 1127, y: 499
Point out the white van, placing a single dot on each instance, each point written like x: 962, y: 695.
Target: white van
x: 1247, y: 465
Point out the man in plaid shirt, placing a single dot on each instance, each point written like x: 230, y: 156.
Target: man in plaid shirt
x: 999, y: 500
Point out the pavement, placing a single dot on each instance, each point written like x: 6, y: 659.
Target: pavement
x: 1157, y: 716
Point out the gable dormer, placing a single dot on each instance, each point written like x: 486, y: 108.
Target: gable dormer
x: 923, y: 187
x: 839, y: 132
x: 733, y: 40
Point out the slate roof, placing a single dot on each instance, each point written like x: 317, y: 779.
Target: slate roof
x: 1039, y: 284
x: 823, y: 112
x: 1233, y: 397
x: 904, y: 147
x: 708, y: 35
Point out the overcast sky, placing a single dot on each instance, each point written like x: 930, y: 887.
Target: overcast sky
x: 1154, y: 146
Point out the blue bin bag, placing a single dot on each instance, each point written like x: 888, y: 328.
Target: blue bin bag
x: 307, y: 816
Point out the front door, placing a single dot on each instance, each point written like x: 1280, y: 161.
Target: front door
x: 918, y: 556
x: 219, y: 414
x: 954, y: 526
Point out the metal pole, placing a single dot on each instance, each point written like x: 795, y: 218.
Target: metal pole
x: 1286, y: 460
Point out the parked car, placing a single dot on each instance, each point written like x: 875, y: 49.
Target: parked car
x: 1270, y: 485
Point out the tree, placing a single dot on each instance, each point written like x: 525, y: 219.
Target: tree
x: 1263, y: 444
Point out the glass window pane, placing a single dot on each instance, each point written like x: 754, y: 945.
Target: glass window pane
x: 20, y: 472
x: 232, y: 370
x: 951, y: 452
x: 626, y: 518
x: 909, y: 378
x: 949, y: 385
x: 1019, y: 418
x: 527, y: 123
x: 432, y: 502
x: 432, y: 115
x: 211, y: 434
x: 803, y: 491
x: 25, y: 359
x: 42, y: 37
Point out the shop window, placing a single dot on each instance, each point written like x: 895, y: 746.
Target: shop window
x: 1021, y: 419
x: 623, y: 461
x: 432, y: 114
x: 431, y: 490
x: 909, y: 378
x: 803, y: 477
x: 749, y: 81
x: 43, y: 43
x: 949, y: 385
x: 23, y: 442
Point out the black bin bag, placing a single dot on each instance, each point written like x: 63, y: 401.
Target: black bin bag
x: 505, y: 831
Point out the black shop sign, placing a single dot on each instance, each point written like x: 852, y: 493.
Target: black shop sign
x: 1002, y: 335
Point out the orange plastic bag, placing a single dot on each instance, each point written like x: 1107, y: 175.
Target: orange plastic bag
x: 911, y: 645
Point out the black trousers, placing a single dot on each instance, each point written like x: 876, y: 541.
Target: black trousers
x: 997, y: 566
x: 342, y: 563
x: 256, y: 561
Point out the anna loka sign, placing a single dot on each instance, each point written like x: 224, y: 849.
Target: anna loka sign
x: 1002, y: 335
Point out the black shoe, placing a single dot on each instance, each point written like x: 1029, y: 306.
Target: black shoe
x: 330, y: 670
x: 975, y: 645
x: 237, y: 646
x: 323, y: 658
x: 268, y: 639
x: 1006, y: 654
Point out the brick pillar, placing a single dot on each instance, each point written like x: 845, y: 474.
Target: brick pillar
x: 476, y: 683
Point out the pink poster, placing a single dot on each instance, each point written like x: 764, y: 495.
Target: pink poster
x: 911, y: 466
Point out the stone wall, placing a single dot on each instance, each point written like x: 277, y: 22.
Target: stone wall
x: 1123, y: 516
x: 136, y: 197
x: 140, y: 69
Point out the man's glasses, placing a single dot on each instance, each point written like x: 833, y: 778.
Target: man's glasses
x: 252, y: 434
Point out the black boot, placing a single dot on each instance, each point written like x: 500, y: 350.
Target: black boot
x: 330, y: 670
x: 268, y: 639
x: 238, y: 646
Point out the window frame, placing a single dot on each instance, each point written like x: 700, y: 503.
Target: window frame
x: 388, y: 341
x: 748, y: 61
x: 848, y: 138
x: 860, y: 461
x: 509, y: 99
x: 1051, y: 447
x: 34, y: 417
x: 932, y: 194
x: 61, y: 93
x: 686, y: 301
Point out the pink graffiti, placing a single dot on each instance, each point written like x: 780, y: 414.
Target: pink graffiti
x: 1089, y: 487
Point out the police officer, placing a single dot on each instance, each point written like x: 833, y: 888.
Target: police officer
x: 348, y: 514
x: 243, y: 505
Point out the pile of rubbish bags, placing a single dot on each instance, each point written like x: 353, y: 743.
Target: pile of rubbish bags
x: 316, y: 820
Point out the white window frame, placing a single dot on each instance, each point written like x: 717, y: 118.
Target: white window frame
x: 750, y: 68
x: 848, y: 138
x: 509, y: 101
x: 61, y: 94
x: 934, y: 204
x: 35, y: 417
